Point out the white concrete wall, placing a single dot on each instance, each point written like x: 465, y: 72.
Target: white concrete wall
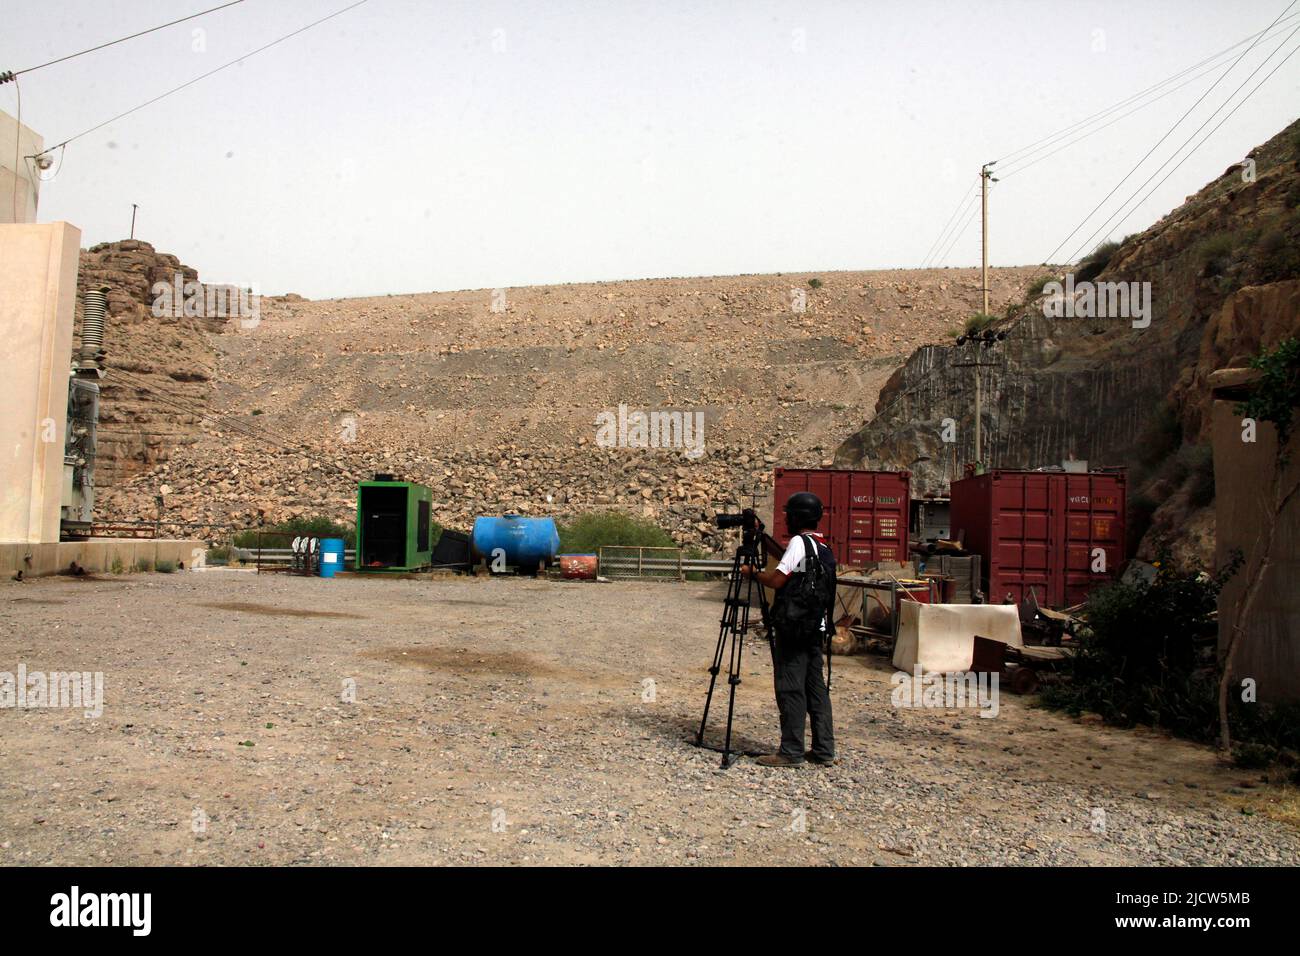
x: 28, y: 144
x: 38, y: 288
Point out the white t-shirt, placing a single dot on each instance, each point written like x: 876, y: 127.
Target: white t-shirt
x: 792, y: 560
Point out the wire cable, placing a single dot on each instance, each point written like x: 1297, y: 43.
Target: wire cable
x: 1136, y: 96
x: 1279, y: 66
x: 935, y: 245
x: 1168, y: 133
x: 102, y: 46
x: 1120, y: 211
x: 204, y: 76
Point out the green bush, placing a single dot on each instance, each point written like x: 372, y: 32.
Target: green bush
x: 318, y: 526
x: 1036, y: 287
x: 1094, y: 262
x: 143, y: 565
x: 1278, y: 256
x: 117, y: 567
x: 815, y: 283
x: 587, y: 533
x: 1277, y: 394
x: 165, y: 567
x: 1215, y: 253
x: 1146, y: 655
x: 979, y: 322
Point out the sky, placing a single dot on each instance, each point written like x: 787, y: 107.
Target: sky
x: 409, y: 146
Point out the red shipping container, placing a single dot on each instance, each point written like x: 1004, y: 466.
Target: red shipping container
x: 1059, y: 534
x: 865, y: 512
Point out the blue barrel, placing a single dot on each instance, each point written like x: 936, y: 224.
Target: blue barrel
x: 526, y: 542
x: 331, y: 556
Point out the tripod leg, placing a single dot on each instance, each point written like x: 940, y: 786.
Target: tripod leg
x: 728, y: 626
x: 733, y: 665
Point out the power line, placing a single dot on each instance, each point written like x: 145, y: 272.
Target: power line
x: 1136, y: 96
x: 1054, y: 139
x: 934, y: 246
x: 1279, y: 66
x: 71, y: 56
x: 1025, y: 165
x: 1239, y: 88
x: 960, y: 233
x: 204, y: 76
x: 1167, y: 134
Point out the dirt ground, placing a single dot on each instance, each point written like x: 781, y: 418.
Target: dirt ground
x: 530, y: 722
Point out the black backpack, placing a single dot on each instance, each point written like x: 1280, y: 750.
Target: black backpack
x: 807, y: 598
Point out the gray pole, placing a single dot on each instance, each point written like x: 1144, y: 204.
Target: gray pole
x: 134, y: 207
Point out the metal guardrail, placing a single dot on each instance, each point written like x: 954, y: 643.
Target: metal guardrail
x: 656, y: 564
x: 278, y: 555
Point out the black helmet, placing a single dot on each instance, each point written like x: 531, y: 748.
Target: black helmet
x: 803, y: 509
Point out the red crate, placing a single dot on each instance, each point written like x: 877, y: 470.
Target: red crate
x: 1041, y: 531
x: 865, y: 512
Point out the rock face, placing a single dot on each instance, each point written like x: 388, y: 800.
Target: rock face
x: 1223, y: 270
x: 494, y: 397
x: 158, y: 379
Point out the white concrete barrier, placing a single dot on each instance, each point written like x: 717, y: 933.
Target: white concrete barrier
x: 941, y: 637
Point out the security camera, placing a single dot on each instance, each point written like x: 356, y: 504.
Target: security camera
x: 44, y: 161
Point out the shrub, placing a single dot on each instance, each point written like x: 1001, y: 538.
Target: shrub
x: 117, y: 567
x: 1094, y: 262
x: 979, y: 322
x: 814, y: 283
x: 587, y: 533
x: 1146, y: 655
x: 1277, y: 394
x: 1278, y: 255
x: 165, y: 567
x: 1036, y: 287
x: 318, y: 526
x: 143, y: 565
x: 1215, y: 253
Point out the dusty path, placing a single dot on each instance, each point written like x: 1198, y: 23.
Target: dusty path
x: 507, y: 722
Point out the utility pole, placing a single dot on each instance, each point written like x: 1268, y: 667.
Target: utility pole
x: 986, y: 177
x: 985, y: 340
x: 134, y: 207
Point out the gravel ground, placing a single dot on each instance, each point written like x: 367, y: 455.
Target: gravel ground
x: 513, y: 721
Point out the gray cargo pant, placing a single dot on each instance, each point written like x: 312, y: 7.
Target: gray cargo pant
x: 801, y: 693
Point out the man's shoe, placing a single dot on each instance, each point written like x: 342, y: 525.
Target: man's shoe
x: 820, y: 761
x: 779, y: 760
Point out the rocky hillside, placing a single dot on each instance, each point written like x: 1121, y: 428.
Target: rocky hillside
x: 493, y: 398
x: 161, y: 367
x: 1224, y: 270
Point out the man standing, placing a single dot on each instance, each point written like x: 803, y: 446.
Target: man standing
x: 801, y: 691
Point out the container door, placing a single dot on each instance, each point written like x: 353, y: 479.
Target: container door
x: 1094, y: 534
x: 1021, y: 537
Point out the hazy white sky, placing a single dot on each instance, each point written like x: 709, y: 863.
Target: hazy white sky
x: 410, y: 146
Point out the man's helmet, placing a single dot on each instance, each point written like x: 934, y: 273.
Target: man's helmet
x: 803, y: 509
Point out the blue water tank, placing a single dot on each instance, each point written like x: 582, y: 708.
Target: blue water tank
x: 331, y: 556
x: 526, y: 542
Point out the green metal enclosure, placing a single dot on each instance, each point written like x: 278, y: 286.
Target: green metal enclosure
x: 394, y: 520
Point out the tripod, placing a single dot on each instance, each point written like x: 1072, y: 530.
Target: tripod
x: 731, y: 633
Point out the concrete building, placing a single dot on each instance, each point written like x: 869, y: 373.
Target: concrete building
x: 19, y: 179
x: 38, y: 289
